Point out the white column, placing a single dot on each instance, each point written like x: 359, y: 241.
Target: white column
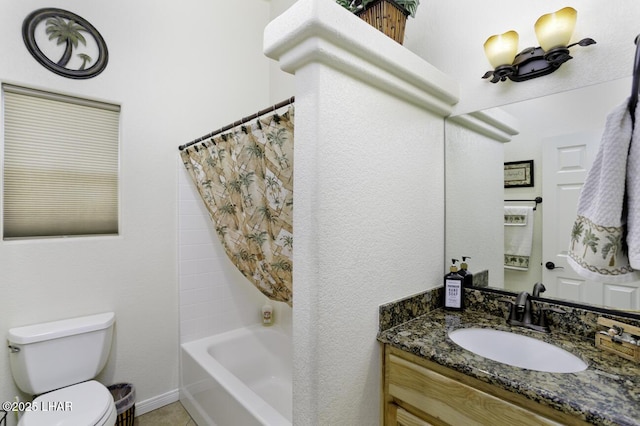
x: 369, y: 198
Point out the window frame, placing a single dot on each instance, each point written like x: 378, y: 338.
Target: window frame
x: 22, y: 89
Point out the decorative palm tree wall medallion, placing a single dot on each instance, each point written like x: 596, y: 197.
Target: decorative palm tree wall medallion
x: 65, y: 43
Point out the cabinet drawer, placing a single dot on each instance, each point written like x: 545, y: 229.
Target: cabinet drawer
x: 401, y: 417
x: 450, y: 401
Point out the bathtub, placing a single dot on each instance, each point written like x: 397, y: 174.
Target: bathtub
x: 241, y: 377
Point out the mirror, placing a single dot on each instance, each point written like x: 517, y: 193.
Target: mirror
x: 572, y: 121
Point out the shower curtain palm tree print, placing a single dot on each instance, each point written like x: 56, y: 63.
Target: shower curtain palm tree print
x: 245, y: 178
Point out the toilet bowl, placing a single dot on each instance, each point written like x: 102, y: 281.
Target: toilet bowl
x: 88, y: 403
x: 58, y: 361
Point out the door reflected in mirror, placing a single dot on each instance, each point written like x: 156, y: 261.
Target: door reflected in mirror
x: 561, y: 133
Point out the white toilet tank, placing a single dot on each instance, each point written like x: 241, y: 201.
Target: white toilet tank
x: 52, y: 355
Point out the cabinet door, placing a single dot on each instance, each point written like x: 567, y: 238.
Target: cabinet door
x: 398, y: 416
x: 452, y: 402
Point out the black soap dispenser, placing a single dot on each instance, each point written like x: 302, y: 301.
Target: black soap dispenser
x: 468, y: 276
x: 453, y: 288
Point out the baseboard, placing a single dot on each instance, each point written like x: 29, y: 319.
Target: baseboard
x: 151, y: 404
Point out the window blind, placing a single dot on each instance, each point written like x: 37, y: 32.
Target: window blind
x: 61, y: 161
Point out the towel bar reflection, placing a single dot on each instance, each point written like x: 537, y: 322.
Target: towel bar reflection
x: 537, y: 200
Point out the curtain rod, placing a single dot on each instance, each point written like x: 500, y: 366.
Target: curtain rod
x: 241, y: 121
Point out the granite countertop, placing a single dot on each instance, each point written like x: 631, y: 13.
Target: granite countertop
x: 606, y: 393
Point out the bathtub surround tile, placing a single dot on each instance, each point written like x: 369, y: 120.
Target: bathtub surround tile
x: 191, y: 207
x: 193, y: 237
x: 197, y: 251
x: 198, y: 266
x: 214, y: 296
x: 194, y: 222
x: 194, y: 281
x: 196, y: 310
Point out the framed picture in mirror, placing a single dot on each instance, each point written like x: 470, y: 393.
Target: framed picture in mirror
x: 518, y: 174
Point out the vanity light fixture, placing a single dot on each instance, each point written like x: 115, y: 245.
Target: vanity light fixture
x: 553, y: 31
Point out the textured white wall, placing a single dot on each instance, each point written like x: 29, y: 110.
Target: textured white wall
x: 367, y: 197
x: 176, y: 75
x: 450, y: 35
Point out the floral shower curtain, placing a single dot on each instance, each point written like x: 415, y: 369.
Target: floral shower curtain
x: 245, y: 178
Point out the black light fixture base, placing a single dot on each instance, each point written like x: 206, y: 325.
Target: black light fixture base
x: 534, y: 62
x: 501, y: 73
x: 557, y: 56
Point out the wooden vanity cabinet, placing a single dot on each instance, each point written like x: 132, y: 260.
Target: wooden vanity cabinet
x: 418, y: 392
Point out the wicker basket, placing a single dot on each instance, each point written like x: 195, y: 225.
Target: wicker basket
x: 387, y: 16
x: 124, y: 396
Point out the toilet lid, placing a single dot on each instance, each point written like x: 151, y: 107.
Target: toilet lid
x: 82, y: 404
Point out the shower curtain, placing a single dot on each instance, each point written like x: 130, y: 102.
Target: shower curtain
x: 245, y: 178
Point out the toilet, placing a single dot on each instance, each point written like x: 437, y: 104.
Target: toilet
x: 57, y: 361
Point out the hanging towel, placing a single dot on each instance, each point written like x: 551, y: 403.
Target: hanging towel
x: 518, y: 237
x: 515, y: 216
x: 606, y: 233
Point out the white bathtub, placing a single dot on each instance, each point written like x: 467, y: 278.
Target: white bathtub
x: 238, y: 378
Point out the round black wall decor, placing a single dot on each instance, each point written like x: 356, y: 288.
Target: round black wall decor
x: 65, y: 43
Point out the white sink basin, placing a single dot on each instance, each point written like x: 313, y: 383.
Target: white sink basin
x: 517, y: 350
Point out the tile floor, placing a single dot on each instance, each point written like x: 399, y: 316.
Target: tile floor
x: 169, y: 415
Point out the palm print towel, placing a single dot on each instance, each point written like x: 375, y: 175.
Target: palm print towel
x: 605, y: 240
x: 518, y: 237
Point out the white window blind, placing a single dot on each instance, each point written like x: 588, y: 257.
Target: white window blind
x: 61, y: 160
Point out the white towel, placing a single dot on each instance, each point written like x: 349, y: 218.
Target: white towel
x: 515, y: 216
x: 518, y: 237
x: 597, y: 250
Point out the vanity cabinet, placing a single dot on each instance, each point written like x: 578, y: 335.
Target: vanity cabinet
x: 418, y: 392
